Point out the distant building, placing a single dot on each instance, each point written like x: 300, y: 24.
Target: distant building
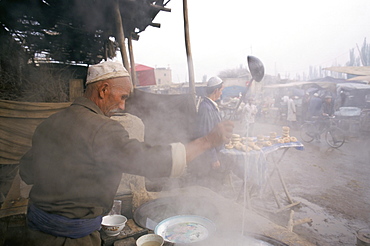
x: 163, y: 76
x: 145, y: 75
x: 152, y: 76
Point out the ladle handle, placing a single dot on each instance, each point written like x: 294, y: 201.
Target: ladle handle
x: 241, y: 99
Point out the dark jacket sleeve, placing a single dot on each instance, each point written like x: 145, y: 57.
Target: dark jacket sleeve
x: 26, y: 168
x: 112, y: 147
x: 207, y: 119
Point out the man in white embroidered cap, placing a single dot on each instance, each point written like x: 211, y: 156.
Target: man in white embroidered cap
x: 78, y: 156
x: 208, y: 174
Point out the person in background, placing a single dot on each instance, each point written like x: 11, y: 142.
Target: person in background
x: 305, y: 103
x: 326, y: 111
x: 78, y: 156
x: 208, y: 117
x: 250, y: 111
x: 328, y: 106
x: 292, y: 112
x: 314, y: 106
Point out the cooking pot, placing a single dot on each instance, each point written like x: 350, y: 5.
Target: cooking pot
x: 158, y: 212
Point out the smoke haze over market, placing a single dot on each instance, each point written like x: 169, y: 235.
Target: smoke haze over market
x: 287, y: 36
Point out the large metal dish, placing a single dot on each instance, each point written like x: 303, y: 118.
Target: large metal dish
x: 185, y: 229
x: 156, y: 212
x: 149, y: 214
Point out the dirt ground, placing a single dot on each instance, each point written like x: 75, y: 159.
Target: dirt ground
x: 332, y: 186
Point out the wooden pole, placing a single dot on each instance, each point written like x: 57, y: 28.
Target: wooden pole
x: 132, y: 62
x: 188, y: 50
x: 121, y: 35
x: 362, y: 59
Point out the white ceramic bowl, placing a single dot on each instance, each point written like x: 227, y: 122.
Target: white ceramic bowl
x: 112, y: 225
x: 150, y: 239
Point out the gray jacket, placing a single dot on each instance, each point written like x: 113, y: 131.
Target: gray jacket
x: 77, y: 159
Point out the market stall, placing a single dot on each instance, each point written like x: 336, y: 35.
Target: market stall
x: 257, y: 160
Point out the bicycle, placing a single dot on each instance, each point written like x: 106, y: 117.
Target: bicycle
x: 334, y: 136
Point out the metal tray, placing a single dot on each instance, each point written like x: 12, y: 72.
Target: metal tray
x: 185, y: 229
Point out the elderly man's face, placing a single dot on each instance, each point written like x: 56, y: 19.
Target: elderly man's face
x: 115, y: 93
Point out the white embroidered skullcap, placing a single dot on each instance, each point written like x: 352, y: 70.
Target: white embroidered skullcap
x: 105, y: 70
x: 214, y: 81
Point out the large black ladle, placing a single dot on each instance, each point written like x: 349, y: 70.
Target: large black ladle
x: 257, y: 71
x: 256, y: 68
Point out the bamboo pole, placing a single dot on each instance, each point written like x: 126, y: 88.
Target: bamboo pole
x: 121, y: 35
x: 188, y: 50
x: 132, y: 62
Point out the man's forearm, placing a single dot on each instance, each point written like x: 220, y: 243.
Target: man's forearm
x: 197, y: 147
x: 219, y: 135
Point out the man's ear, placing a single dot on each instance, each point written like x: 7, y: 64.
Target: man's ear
x: 103, y: 89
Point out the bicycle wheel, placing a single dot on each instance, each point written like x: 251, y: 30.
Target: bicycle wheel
x: 335, y: 137
x: 307, y: 132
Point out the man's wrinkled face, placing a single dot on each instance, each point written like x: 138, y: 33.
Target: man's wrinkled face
x: 114, y: 93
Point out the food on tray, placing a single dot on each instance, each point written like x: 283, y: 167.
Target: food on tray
x: 286, y: 132
x: 286, y: 128
x: 286, y: 140
x: 250, y: 143
x: 267, y: 143
x: 255, y: 147
x: 293, y: 139
x: 229, y: 146
x: 280, y: 140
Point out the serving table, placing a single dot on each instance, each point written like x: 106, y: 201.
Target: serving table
x: 256, y: 168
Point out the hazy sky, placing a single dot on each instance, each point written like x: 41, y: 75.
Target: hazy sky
x: 287, y: 35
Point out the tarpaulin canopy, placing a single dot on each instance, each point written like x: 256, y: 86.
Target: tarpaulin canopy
x: 361, y: 78
x: 365, y: 70
x: 18, y: 121
x: 167, y: 119
x: 354, y: 95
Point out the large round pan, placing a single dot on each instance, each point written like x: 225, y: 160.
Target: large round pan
x: 149, y: 214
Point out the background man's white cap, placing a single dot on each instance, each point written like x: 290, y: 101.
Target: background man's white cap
x: 214, y: 81
x: 105, y: 70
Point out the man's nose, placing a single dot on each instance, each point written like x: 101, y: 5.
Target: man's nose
x: 122, y: 105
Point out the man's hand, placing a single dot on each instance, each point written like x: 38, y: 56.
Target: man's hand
x: 221, y: 133
x: 216, y: 165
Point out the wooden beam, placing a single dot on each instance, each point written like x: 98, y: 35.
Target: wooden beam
x: 188, y: 50
x: 132, y: 62
x: 161, y: 8
x: 157, y: 25
x: 121, y: 35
